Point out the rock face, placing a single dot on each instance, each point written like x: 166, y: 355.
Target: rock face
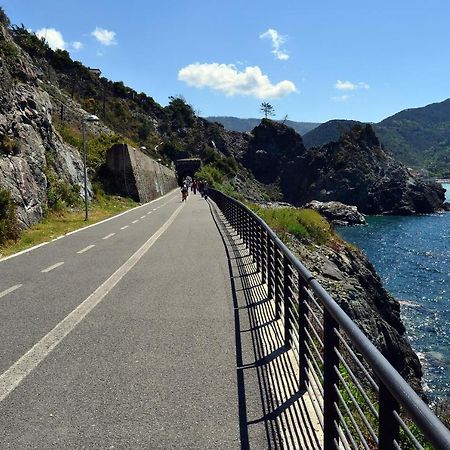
x: 352, y: 281
x: 272, y: 149
x: 356, y: 171
x: 337, y: 213
x: 28, y: 142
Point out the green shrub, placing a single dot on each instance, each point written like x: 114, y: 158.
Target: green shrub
x: 9, y: 226
x: 8, y: 145
x: 8, y: 50
x: 60, y: 193
x: 4, y: 19
x: 212, y: 175
x: 301, y: 223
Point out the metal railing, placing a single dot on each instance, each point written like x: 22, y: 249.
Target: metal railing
x: 361, y: 400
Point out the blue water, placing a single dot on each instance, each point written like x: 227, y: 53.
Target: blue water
x: 412, y: 256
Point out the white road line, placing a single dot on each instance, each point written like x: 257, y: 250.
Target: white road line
x: 9, y: 290
x: 10, y: 379
x: 134, y: 221
x: 142, y: 217
x: 108, y: 236
x: 52, y: 267
x: 149, y: 212
x: 86, y: 249
x: 89, y: 226
x: 123, y: 228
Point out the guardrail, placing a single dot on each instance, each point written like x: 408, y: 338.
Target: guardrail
x: 362, y: 401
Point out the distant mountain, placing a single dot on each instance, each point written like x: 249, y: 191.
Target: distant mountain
x: 244, y: 125
x: 330, y: 131
x: 420, y: 137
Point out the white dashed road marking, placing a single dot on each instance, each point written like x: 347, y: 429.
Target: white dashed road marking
x: 9, y: 290
x: 108, y: 236
x: 142, y: 217
x: 52, y: 267
x: 86, y: 249
x: 10, y: 379
x: 134, y: 221
x: 123, y: 228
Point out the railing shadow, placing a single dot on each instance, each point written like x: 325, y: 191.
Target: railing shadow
x: 261, y: 356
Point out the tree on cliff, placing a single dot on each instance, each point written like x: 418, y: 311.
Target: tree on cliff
x: 4, y: 19
x: 267, y: 109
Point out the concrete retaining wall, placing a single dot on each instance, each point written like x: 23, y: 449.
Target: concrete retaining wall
x: 137, y: 175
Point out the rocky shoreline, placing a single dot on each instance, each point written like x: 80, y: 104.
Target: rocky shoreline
x: 349, y: 277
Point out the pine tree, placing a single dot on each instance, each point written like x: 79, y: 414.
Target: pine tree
x: 267, y: 109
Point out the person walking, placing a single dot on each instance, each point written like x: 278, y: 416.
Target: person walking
x: 205, y: 190
x: 184, y: 192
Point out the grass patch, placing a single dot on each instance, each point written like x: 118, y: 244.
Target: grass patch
x: 60, y: 223
x: 301, y: 223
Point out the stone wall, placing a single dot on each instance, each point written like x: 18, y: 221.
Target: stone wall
x: 137, y: 175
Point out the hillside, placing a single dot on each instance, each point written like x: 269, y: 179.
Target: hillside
x: 328, y: 132
x: 247, y: 125
x: 420, y: 137
x: 45, y: 95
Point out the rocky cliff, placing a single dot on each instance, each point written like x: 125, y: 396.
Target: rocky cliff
x: 29, y: 144
x: 271, y: 150
x: 357, y: 171
x: 354, y: 170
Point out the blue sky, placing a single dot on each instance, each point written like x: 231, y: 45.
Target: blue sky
x: 313, y: 61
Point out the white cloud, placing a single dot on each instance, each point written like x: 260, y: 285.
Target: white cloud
x: 105, y: 37
x: 349, y: 86
x: 228, y: 79
x: 340, y: 98
x: 53, y: 37
x: 77, y: 45
x: 277, y: 41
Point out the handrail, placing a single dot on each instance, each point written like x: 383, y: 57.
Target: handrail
x: 394, y: 391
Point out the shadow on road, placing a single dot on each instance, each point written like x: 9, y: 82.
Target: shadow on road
x: 273, y: 413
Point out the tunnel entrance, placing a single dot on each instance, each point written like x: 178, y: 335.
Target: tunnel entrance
x: 187, y: 168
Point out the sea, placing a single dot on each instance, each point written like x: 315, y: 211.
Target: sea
x: 412, y: 256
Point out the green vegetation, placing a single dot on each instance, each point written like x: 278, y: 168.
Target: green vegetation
x: 9, y: 227
x: 8, y: 51
x: 267, y: 109
x: 60, y: 193
x: 59, y: 223
x: 8, y: 145
x: 4, y: 19
x: 301, y: 223
x: 351, y: 394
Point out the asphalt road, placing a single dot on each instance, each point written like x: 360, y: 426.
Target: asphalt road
x: 121, y: 335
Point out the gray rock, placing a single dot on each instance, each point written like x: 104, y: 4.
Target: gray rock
x: 26, y: 122
x: 337, y: 213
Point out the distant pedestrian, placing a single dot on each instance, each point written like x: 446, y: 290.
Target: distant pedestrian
x: 205, y: 190
x: 200, y: 187
x: 194, y: 187
x: 184, y: 192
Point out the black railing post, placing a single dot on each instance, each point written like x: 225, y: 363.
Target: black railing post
x: 302, y: 336
x: 263, y: 248
x: 287, y: 284
x: 270, y: 268
x: 246, y: 230
x: 388, y: 427
x: 277, y: 287
x: 257, y: 250
x: 330, y: 381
